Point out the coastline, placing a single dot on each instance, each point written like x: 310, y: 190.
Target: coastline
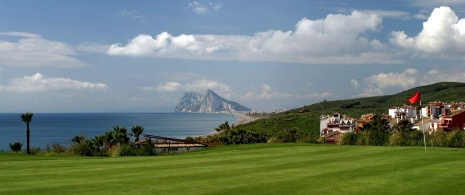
x: 242, y: 118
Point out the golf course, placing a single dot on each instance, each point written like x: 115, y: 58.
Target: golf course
x: 243, y: 169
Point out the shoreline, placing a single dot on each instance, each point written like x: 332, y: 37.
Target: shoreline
x: 242, y: 118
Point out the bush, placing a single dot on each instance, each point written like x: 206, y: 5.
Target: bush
x: 56, y: 148
x: 455, y: 139
x: 129, y: 150
x: 16, y: 147
x: 289, y: 135
x: 83, y: 148
x: 35, y: 150
x: 348, y: 139
x: 126, y: 150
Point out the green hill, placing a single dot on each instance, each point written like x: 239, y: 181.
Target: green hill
x: 306, y: 118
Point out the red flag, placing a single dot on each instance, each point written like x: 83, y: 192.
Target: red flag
x: 414, y: 98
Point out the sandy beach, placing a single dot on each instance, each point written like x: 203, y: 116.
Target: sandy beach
x: 243, y: 118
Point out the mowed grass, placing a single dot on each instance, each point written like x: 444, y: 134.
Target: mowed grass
x: 244, y: 169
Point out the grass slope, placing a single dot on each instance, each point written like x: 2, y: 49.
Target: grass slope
x: 310, y: 121
x: 245, y: 169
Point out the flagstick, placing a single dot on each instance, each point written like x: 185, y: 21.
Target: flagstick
x: 422, y: 126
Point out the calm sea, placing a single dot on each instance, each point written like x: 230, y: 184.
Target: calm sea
x: 54, y: 127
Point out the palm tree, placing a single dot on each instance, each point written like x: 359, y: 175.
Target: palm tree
x: 109, y: 139
x: 120, y: 135
x: 26, y: 118
x: 223, y: 127
x: 137, y: 131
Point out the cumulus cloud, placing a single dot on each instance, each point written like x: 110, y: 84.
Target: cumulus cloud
x: 32, y: 50
x: 337, y: 38
x: 266, y: 93
x: 200, y: 8
x: 191, y: 85
x: 409, y: 78
x: 39, y: 83
x: 169, y: 86
x: 443, y: 33
x: 354, y: 83
x: 404, y: 79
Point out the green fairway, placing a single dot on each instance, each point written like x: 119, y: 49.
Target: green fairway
x: 246, y: 169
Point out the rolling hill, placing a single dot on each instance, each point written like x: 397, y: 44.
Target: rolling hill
x: 306, y: 118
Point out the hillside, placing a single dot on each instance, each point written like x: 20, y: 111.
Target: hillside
x: 308, y: 121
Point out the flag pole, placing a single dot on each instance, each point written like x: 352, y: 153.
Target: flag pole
x: 422, y: 126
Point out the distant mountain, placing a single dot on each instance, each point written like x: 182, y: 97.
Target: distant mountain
x: 210, y: 102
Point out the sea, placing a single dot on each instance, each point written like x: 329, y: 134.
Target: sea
x: 48, y: 128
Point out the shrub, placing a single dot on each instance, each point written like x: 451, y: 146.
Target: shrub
x: 347, y: 139
x: 16, y: 147
x: 83, y: 148
x: 35, y: 150
x: 289, y: 135
x: 455, y: 139
x: 437, y: 139
x: 126, y: 150
x: 56, y: 148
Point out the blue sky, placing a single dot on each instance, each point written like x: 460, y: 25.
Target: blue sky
x: 141, y: 56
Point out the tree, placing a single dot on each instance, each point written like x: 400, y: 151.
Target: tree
x: 377, y: 131
x: 26, y: 118
x: 16, y: 147
x: 223, y: 127
x: 120, y: 135
x: 403, y: 126
x: 137, y: 131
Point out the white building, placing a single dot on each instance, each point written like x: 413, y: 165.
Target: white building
x: 336, y: 123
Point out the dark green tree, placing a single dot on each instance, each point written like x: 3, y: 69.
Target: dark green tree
x: 16, y: 147
x: 120, y: 135
x: 377, y: 131
x: 137, y: 131
x: 27, y: 118
x: 223, y: 127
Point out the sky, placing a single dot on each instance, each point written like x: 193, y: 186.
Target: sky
x: 141, y: 56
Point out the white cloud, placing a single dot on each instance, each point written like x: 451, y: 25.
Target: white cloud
x: 169, y: 86
x: 370, y: 91
x: 435, y: 3
x: 39, y: 83
x: 133, y: 15
x: 31, y: 50
x: 205, y: 84
x: 337, y: 39
x: 191, y: 85
x: 318, y: 95
x: 163, y: 44
x: 215, y: 6
x: 354, y: 83
x: 199, y: 8
x: 266, y: 92
x: 405, y: 79
x: 443, y: 33
x: 422, y: 14
x: 389, y: 14
x: 376, y: 84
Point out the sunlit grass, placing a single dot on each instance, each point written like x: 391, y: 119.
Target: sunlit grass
x: 246, y: 169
